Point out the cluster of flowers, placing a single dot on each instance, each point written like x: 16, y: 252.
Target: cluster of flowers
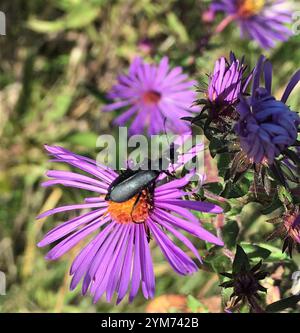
x: 159, y: 98
x: 266, y: 127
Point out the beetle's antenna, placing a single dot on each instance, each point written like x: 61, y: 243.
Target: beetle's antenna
x: 171, y: 149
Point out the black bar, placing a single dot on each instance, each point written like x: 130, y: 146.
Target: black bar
x: 132, y: 322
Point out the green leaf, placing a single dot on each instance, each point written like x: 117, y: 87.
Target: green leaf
x: 60, y: 107
x: 217, y: 147
x: 264, y: 251
x: 238, y: 189
x: 277, y: 174
x: 230, y: 233
x: 226, y: 293
x: 176, y: 26
x: 289, y: 173
x: 219, y: 264
x: 284, y: 195
x: 79, y: 16
x: 293, y: 156
x: 276, y: 203
x: 283, y: 304
x: 214, y: 187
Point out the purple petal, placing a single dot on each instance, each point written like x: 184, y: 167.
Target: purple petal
x: 71, y: 207
x: 200, y: 206
x: 292, y: 84
x: 192, y: 228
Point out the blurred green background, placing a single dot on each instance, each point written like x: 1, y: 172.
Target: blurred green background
x: 58, y: 59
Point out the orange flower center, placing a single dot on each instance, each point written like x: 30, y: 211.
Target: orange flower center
x: 248, y: 8
x: 151, y: 97
x: 133, y: 210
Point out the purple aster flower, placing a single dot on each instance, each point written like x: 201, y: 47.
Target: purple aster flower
x: 267, y: 127
x: 154, y: 96
x: 227, y: 82
x: 261, y: 20
x: 117, y: 259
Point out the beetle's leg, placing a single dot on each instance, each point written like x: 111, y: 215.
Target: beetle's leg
x: 133, y: 207
x: 150, y: 197
x: 147, y: 230
x: 150, y: 194
x: 169, y: 174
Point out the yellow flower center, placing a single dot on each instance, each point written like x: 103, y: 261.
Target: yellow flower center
x: 248, y: 8
x: 135, y: 210
x: 151, y: 97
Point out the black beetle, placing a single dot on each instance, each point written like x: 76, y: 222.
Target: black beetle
x: 132, y: 182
